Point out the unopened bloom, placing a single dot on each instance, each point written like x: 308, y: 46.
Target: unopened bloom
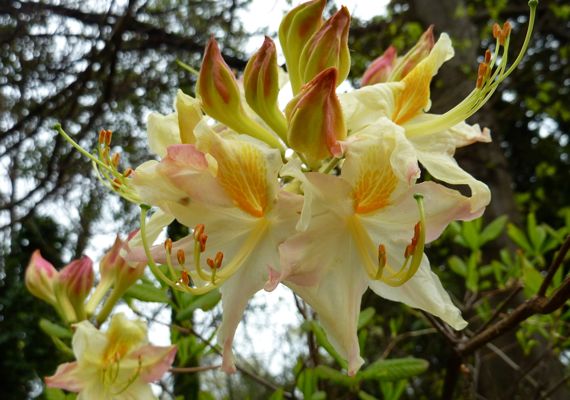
x: 118, y: 364
x: 380, y: 69
x: 40, y: 278
x: 316, y: 123
x: 295, y: 30
x: 74, y: 283
x: 328, y: 47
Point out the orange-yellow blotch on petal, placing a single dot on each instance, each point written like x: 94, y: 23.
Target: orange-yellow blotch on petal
x: 242, y: 172
x: 375, y: 181
x: 328, y: 47
x: 316, y: 122
x: 295, y: 30
x: 414, y: 98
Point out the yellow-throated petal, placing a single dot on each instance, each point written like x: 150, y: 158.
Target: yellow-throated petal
x: 242, y: 172
x: 415, y: 96
x: 375, y: 181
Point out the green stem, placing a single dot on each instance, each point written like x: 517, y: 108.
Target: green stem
x: 108, y: 306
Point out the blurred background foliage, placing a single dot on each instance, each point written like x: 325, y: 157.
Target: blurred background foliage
x: 106, y: 64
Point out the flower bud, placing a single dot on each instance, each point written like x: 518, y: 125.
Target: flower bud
x: 295, y: 30
x: 261, y: 84
x: 328, y: 47
x: 40, y: 277
x: 221, y: 99
x: 414, y: 56
x: 316, y: 123
x: 114, y: 266
x: 74, y: 283
x: 76, y: 279
x: 379, y: 70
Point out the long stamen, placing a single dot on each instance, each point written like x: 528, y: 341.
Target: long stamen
x: 486, y: 83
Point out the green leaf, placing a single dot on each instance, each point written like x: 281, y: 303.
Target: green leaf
x: 472, y: 282
x: 458, y: 266
x: 205, y: 302
x: 493, y: 230
x: 394, y: 369
x: 362, y: 395
x: 518, y: 237
x: 277, y: 395
x: 471, y: 235
x: 323, y: 341
x: 532, y: 279
x: 365, y: 317
x: 337, y: 377
x: 55, y: 330
x: 147, y: 292
x: 54, y: 394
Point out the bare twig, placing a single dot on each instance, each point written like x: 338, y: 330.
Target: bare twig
x: 557, y: 263
x: 500, y: 308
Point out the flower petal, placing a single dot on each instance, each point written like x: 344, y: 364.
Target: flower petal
x: 65, y: 378
x: 415, y: 96
x: 435, y: 153
x: 162, y: 131
x: 366, y: 105
x: 156, y: 360
x: 424, y: 291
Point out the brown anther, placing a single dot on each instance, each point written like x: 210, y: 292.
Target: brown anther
x: 487, y: 56
x: 412, y: 246
x: 128, y: 172
x: 115, y: 159
x: 382, y: 259
x: 168, y: 245
x: 202, y: 240
x: 507, y: 28
x: 198, y: 231
x: 481, y: 74
x: 116, y: 183
x: 102, y: 136
x: 184, y: 277
x: 216, y: 263
x: 181, y: 256
x: 108, y: 137
x: 496, y: 30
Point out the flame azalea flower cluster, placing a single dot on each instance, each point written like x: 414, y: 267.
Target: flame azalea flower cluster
x: 325, y: 195
x: 118, y: 364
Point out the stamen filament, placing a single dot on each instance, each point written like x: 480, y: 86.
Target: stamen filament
x: 479, y: 96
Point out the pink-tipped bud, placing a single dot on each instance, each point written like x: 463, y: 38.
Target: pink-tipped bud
x: 217, y: 84
x: 40, y: 277
x: 328, y: 47
x: 261, y: 85
x: 77, y: 279
x: 414, y: 56
x: 316, y: 122
x: 123, y: 274
x: 295, y: 30
x: 379, y: 70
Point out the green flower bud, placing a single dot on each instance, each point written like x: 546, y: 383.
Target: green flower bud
x: 261, y: 84
x: 328, y: 47
x: 295, y: 30
x: 316, y: 122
